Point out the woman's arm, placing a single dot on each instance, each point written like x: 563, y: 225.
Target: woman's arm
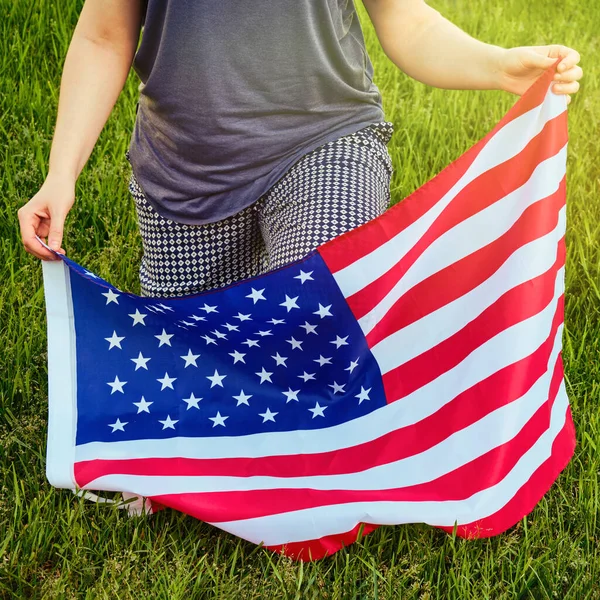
x: 432, y: 50
x: 95, y: 70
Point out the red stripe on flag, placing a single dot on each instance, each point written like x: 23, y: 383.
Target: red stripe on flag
x: 352, y: 245
x: 443, y: 287
x: 325, y: 546
x: 485, y: 190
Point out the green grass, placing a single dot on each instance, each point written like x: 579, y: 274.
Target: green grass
x: 53, y: 545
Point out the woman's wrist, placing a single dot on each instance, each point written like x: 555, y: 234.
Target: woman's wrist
x: 64, y: 177
x: 497, y: 68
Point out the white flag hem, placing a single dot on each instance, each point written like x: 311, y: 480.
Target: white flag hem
x: 62, y: 375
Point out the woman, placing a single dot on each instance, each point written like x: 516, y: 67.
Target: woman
x: 259, y: 133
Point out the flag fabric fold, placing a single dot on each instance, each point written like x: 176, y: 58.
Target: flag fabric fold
x: 407, y: 371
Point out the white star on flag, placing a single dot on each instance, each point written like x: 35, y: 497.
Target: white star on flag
x: 231, y: 327
x: 291, y: 395
x: 251, y: 343
x: 218, y: 420
x: 192, y: 401
x: 317, y: 411
x: 115, y: 341
x: 209, y: 309
x: 111, y: 297
x: 353, y: 365
x: 242, y: 398
x: 276, y: 322
x: 307, y: 376
x: 337, y: 387
x: 237, y: 356
x: 364, y: 394
x: 142, y: 405
x: 168, y: 423
x: 190, y: 359
x: 304, y: 276
x: 164, y: 338
x: 116, y: 385
x: 339, y: 341
x: 138, y: 317
x: 256, y: 295
x: 309, y: 328
x: 166, y: 382
x: 242, y: 317
x: 216, y: 379
x: 322, y: 360
x: 140, y: 362
x: 117, y: 426
x: 264, y: 375
x: 268, y: 415
x: 323, y: 311
x: 290, y: 303
x: 280, y: 360
x: 295, y: 343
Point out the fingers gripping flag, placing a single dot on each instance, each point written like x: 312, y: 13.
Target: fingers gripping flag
x: 407, y: 371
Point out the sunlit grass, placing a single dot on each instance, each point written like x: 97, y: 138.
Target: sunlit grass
x: 55, y: 546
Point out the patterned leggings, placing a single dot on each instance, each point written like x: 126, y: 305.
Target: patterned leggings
x: 332, y: 189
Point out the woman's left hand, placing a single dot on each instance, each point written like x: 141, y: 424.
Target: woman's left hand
x: 520, y: 67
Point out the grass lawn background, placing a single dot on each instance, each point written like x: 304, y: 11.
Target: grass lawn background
x: 53, y: 545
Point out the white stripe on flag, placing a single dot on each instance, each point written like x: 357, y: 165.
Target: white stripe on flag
x: 506, y: 143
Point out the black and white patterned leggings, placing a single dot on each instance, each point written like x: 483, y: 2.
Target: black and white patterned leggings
x: 332, y: 189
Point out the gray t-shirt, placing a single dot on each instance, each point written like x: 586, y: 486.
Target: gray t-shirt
x: 234, y: 92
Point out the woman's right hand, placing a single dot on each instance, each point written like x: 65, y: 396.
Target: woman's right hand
x: 44, y: 215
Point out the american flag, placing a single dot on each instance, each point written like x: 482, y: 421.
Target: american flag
x: 407, y: 371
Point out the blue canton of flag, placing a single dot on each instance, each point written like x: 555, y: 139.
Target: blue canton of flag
x: 279, y: 354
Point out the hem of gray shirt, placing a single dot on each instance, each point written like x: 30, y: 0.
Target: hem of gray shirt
x: 269, y: 180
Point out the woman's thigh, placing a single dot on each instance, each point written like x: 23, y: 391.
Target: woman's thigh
x: 329, y: 191
x: 182, y: 259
